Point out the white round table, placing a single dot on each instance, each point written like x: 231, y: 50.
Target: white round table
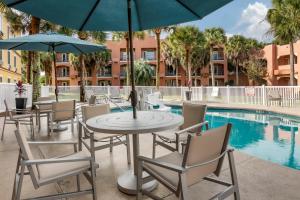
x: 123, y: 123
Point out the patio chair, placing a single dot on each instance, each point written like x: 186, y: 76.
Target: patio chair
x: 62, y: 113
x: 153, y: 101
x: 92, y: 100
x: 115, y: 95
x: 43, y: 111
x: 274, y: 95
x: 11, y: 117
x: 202, y: 160
x: 192, y: 114
x: 52, y: 170
x: 95, y: 141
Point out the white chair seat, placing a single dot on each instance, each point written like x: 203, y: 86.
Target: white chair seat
x: 171, y: 177
x: 57, y: 170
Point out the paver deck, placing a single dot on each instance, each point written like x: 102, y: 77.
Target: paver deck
x: 258, y: 179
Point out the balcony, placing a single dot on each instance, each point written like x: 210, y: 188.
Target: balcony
x: 62, y: 60
x: 170, y: 73
x: 104, y: 74
x: 123, y: 73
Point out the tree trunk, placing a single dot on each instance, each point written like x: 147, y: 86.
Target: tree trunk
x: 176, y: 75
x: 212, y: 67
x: 292, y: 65
x: 237, y: 74
x: 34, y: 64
x: 83, y: 36
x: 128, y: 64
x: 187, y: 54
x: 157, y: 33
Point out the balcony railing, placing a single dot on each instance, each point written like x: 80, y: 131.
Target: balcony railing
x: 106, y: 74
x: 170, y: 73
x: 62, y: 60
x: 123, y: 74
x: 218, y: 56
x: 59, y: 74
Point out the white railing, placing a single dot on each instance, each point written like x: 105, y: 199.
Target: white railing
x: 7, y: 92
x: 256, y: 95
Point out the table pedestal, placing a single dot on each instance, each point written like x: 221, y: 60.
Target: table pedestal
x: 127, y: 183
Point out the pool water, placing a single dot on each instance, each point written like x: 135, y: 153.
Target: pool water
x: 266, y: 135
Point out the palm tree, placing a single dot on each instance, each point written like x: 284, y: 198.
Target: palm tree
x: 171, y: 56
x: 117, y: 36
x: 157, y: 32
x: 236, y: 50
x: 200, y: 57
x: 285, y: 26
x: 214, y: 37
x: 186, y: 38
x: 143, y: 73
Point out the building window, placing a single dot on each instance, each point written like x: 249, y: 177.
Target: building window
x: 15, y: 80
x: 105, y: 71
x: 1, y: 79
x: 8, y: 57
x: 63, y: 72
x: 1, y: 60
x: 15, y: 63
x: 1, y: 23
x: 218, y: 55
x: 65, y: 57
x: 8, y: 80
x: 149, y: 54
x: 123, y: 54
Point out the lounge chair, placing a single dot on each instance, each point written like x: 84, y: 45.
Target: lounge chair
x: 62, y: 113
x: 43, y: 111
x: 274, y: 96
x: 202, y: 160
x: 192, y: 114
x: 94, y: 141
x: 11, y: 117
x: 46, y: 171
x: 153, y: 101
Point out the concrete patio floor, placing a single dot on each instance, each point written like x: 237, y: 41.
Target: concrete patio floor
x: 258, y: 179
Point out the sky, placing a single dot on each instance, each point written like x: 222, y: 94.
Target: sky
x: 245, y: 17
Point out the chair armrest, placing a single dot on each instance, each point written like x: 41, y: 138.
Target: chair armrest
x: 209, y: 161
x: 191, y: 128
x: 166, y: 165
x: 147, y: 102
x: 54, y: 142
x: 85, y: 127
x: 57, y: 160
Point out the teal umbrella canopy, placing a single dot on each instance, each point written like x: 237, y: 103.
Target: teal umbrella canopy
x: 111, y: 15
x: 50, y: 42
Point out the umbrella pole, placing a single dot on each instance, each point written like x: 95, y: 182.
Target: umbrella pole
x: 54, y: 64
x: 133, y: 94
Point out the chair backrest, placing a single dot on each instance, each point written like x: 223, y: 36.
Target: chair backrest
x: 93, y: 111
x: 27, y: 154
x: 7, y: 111
x: 153, y: 98
x: 192, y: 114
x: 88, y: 94
x: 45, y: 107
x: 64, y: 110
x: 92, y: 100
x: 205, y: 147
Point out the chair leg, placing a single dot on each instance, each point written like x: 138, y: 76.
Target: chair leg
x: 111, y: 145
x: 72, y: 125
x: 16, y: 175
x: 19, y: 184
x: 128, y: 149
x: 139, y: 181
x: 32, y: 128
x: 4, y: 122
x: 78, y: 182
x: 154, y: 146
x: 93, y: 177
x: 233, y: 175
x: 183, y: 189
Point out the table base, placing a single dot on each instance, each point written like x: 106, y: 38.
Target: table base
x: 60, y: 128
x: 127, y: 183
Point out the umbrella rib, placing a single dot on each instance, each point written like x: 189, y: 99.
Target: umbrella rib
x: 15, y: 3
x: 189, y: 9
x: 77, y: 48
x: 16, y: 46
x: 138, y: 14
x: 89, y: 15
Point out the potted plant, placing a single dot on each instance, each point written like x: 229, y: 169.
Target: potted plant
x: 20, y: 101
x: 188, y: 94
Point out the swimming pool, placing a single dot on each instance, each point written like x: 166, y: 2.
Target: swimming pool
x: 266, y: 135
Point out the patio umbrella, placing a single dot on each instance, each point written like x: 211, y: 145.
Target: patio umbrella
x: 51, y: 42
x: 118, y: 15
